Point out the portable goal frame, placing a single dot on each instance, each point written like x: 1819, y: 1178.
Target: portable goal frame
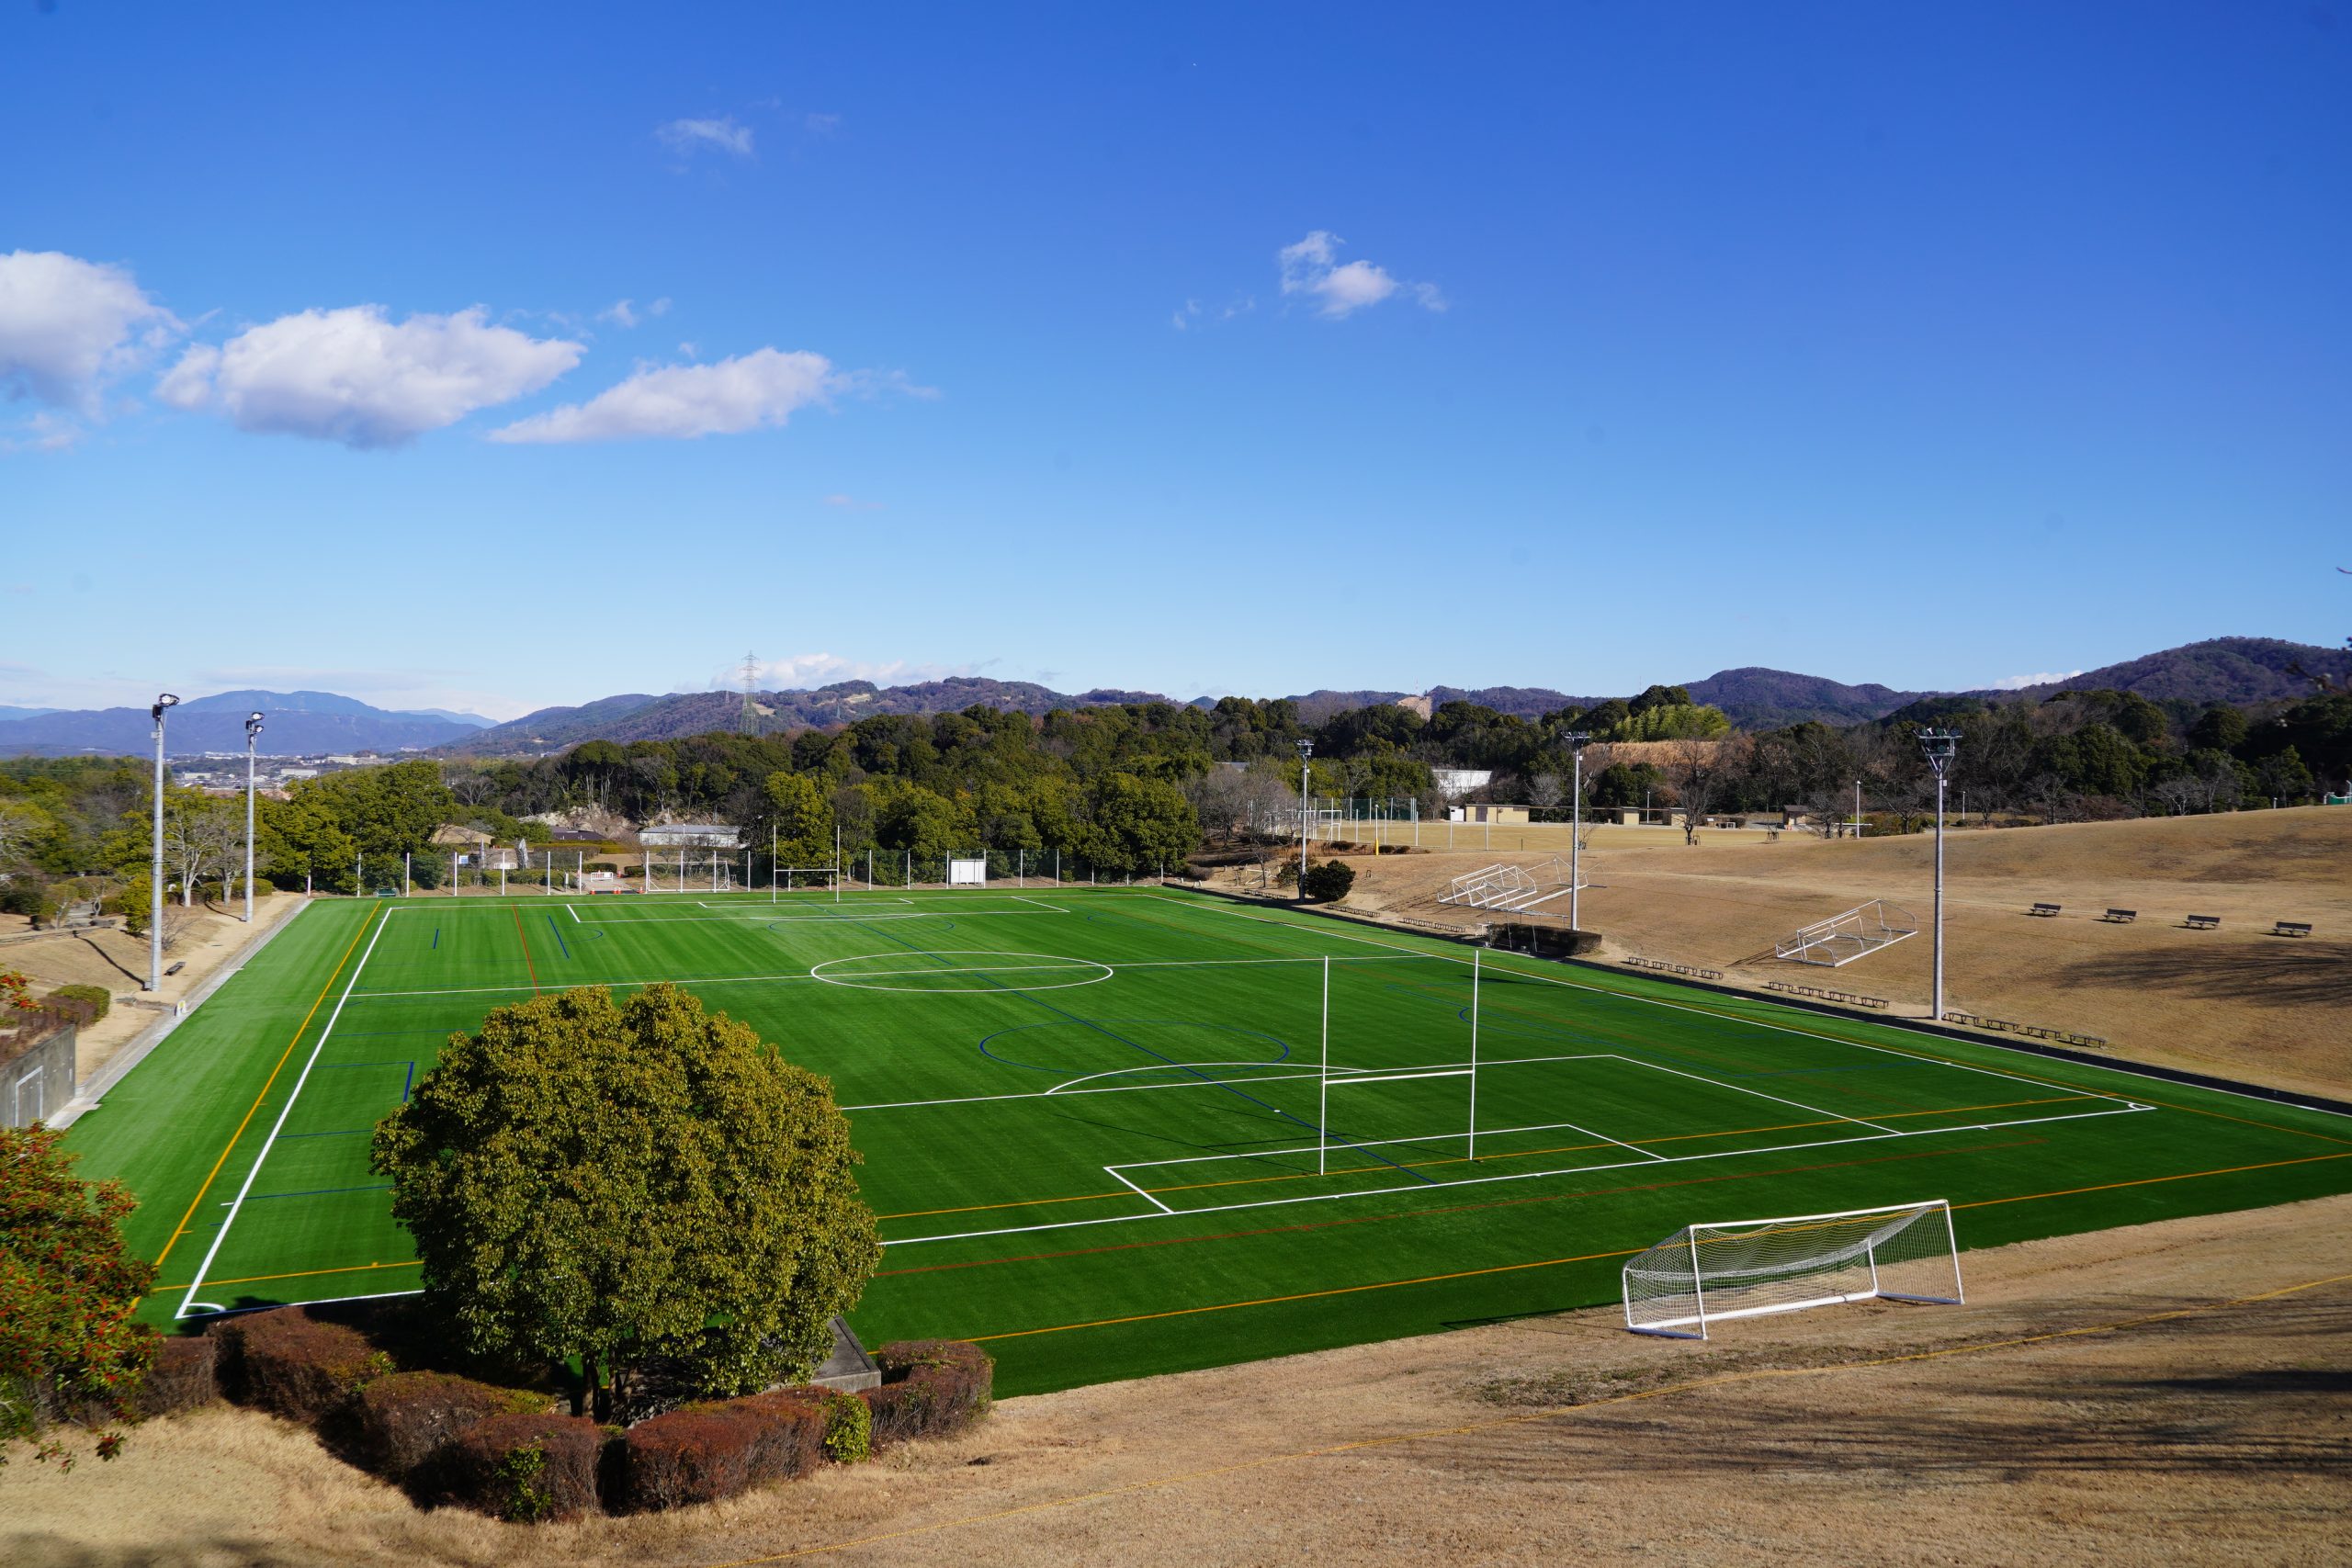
x: 1716, y: 1271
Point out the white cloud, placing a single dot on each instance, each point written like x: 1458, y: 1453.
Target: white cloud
x: 821, y: 124
x: 68, y: 326
x: 689, y: 135
x: 353, y: 376
x: 680, y: 401
x: 1311, y: 268
x: 2017, y: 682
x: 804, y: 671
x: 852, y: 504
x: 624, y: 314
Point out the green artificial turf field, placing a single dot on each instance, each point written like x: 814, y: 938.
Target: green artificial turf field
x: 1099, y: 1135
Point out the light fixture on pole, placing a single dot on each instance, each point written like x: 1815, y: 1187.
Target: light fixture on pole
x: 252, y: 733
x: 1306, y: 749
x: 1940, y: 746
x: 1576, y: 738
x: 155, y: 861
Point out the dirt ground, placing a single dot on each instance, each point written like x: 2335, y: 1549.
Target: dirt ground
x: 2235, y: 1001
x: 208, y: 938
x: 2167, y: 1394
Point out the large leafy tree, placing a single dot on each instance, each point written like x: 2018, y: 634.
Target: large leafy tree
x: 798, y: 811
x: 67, y: 1285
x: 617, y: 1181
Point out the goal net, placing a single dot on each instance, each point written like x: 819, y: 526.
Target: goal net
x: 1707, y: 1273
x: 1856, y: 933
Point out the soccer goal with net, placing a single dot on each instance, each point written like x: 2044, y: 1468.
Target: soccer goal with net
x: 1856, y: 934
x: 1709, y: 1273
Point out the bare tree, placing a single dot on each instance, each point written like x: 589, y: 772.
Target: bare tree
x: 1545, y: 790
x: 1698, y: 773
x: 473, y: 789
x: 201, y: 833
x: 2180, y: 794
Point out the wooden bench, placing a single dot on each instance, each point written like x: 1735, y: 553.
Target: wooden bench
x: 2045, y: 911
x: 2202, y: 922
x: 2292, y: 928
x: 2121, y: 917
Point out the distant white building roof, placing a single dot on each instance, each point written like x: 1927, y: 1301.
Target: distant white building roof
x: 690, y: 835
x: 1455, y: 783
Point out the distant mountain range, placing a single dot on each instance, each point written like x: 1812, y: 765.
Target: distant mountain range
x: 2231, y: 670
x: 293, y: 724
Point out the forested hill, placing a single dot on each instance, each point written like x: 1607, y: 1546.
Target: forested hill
x: 637, y: 716
x: 2219, y: 670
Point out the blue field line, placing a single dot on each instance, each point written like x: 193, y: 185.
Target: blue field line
x: 1181, y: 1067
x: 436, y: 937
x: 320, y: 1191
x: 558, y: 936
x: 409, y: 1083
x: 339, y: 1132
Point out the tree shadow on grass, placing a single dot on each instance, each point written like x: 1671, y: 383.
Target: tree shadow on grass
x: 2283, y: 973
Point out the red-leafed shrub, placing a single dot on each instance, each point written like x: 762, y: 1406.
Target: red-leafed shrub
x: 398, y: 1421
x: 526, y: 1468
x: 704, y: 1452
x: 184, y: 1374
x: 930, y: 1388
x: 295, y: 1365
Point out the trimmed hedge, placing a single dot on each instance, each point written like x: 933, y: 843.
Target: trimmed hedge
x: 184, y: 1374
x: 98, y: 998
x: 931, y: 1388
x: 849, y: 1423
x: 398, y: 1421
x: 704, y: 1453
x: 525, y: 1468
x: 295, y: 1365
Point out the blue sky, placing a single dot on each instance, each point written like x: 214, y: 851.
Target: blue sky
x: 1195, y: 349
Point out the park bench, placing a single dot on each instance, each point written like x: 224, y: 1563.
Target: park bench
x: 2203, y: 922
x: 2292, y: 928
x: 2121, y: 917
x: 2045, y: 911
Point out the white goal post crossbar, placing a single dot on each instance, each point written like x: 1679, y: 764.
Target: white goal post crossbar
x: 793, y: 878
x: 1716, y: 1271
x: 1856, y: 934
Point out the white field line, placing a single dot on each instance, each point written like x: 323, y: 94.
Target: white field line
x: 1682, y: 1007
x: 237, y: 1204
x: 1042, y: 905
x: 1426, y: 1186
x: 1778, y: 1100
x: 210, y: 1310
x: 758, y: 979
x: 1358, y: 1075
x: 1137, y: 1191
x: 1064, y: 1089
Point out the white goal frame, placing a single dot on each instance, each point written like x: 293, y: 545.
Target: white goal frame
x: 782, y: 879
x: 1905, y: 1252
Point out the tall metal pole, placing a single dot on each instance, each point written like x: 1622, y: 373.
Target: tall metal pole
x: 1939, y: 745
x: 1575, y: 739
x: 1305, y: 750
x: 155, y: 860
x: 252, y: 730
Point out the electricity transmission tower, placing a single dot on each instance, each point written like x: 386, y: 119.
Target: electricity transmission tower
x: 749, y: 722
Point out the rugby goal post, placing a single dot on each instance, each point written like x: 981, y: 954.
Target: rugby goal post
x: 967, y: 873
x: 1712, y: 1272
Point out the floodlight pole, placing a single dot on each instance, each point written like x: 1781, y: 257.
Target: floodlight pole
x: 1575, y: 739
x: 253, y: 731
x: 1939, y: 745
x: 1305, y: 750
x: 155, y: 861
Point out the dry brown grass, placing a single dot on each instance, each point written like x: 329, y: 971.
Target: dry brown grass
x: 2233, y: 1001
x: 2169, y: 1419
x: 207, y: 939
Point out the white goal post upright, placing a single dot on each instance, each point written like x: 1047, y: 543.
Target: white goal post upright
x: 780, y: 878
x: 1722, y: 1269
x: 1350, y: 1078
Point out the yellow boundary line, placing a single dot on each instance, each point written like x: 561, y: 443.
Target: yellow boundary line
x: 181, y: 1229
x: 1529, y: 1417
x: 1594, y: 1257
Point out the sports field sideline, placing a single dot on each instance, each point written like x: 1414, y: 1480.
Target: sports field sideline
x: 1113, y: 1133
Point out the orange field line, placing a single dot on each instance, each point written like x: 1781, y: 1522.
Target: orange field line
x: 299, y: 1274
x: 530, y: 968
x: 209, y: 1176
x: 1481, y: 1159
x: 1531, y: 1417
x: 1592, y: 1256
